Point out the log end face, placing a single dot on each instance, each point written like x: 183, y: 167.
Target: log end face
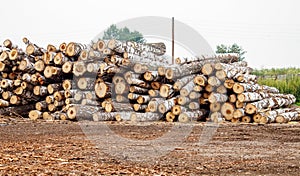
x: 183, y: 118
x: 250, y: 108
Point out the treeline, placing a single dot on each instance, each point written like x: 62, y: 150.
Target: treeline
x: 276, y: 71
x: 289, y: 84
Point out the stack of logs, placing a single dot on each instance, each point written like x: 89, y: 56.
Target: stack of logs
x: 114, y: 80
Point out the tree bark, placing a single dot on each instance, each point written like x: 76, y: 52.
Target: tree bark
x: 140, y: 107
x: 35, y: 114
x: 194, y: 95
x: 239, y: 104
x: 104, y: 116
x: 80, y: 112
x: 69, y: 101
x: 216, y: 117
x: 123, y: 116
x: 26, y: 66
x: 249, y: 96
x: 287, y: 117
x: 41, y: 106
x: 54, y: 87
x: 93, y: 67
x: 4, y: 103
x: 183, y: 100
x: 185, y: 60
x: 73, y: 49
x: 113, y: 106
x: 151, y: 76
x: 187, y: 88
x: 154, y: 104
x: 246, y: 87
x: 255, y: 107
x: 144, y: 117
x: 216, y: 97
x: 90, y: 102
x: 138, y: 90
x: 246, y: 78
x: 229, y: 83
x: 167, y: 105
x: 270, y: 116
x: 238, y: 113
x: 191, y: 116
x: 194, y: 105
x: 59, y: 95
x: 143, y: 99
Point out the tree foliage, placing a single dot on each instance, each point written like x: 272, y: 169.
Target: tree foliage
x: 234, y: 48
x: 123, y: 34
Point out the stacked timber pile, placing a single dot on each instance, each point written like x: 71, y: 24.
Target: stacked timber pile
x: 114, y: 80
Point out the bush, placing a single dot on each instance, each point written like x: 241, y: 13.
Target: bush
x: 289, y: 85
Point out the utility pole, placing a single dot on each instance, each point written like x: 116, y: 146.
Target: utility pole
x: 173, y: 40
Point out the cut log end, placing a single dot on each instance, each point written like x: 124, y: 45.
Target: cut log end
x: 176, y: 110
x: 250, y: 108
x: 237, y: 88
x: 101, y: 45
x: 13, y: 54
x: 227, y: 110
x: 35, y: 114
x: 170, y: 117
x: 207, y: 69
x: 214, y: 107
x: 257, y: 117
x: 280, y: 119
x: 183, y: 118
x: 200, y: 80
x: 246, y: 119
x: 165, y: 90
x: 71, y: 113
x: 169, y: 74
x: 101, y: 89
x: 67, y: 67
x: 216, y: 117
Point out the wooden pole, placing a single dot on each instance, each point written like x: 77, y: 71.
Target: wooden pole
x: 172, y: 40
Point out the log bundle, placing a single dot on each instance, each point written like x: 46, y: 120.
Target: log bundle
x: 116, y: 80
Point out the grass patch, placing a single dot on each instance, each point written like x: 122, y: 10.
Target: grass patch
x: 289, y: 85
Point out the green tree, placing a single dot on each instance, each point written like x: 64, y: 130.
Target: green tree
x: 123, y: 34
x: 234, y: 48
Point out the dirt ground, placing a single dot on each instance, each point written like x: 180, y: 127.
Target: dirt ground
x: 73, y: 148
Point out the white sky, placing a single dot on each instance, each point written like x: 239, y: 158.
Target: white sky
x: 268, y: 29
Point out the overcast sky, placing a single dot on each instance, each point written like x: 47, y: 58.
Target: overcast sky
x: 268, y: 29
